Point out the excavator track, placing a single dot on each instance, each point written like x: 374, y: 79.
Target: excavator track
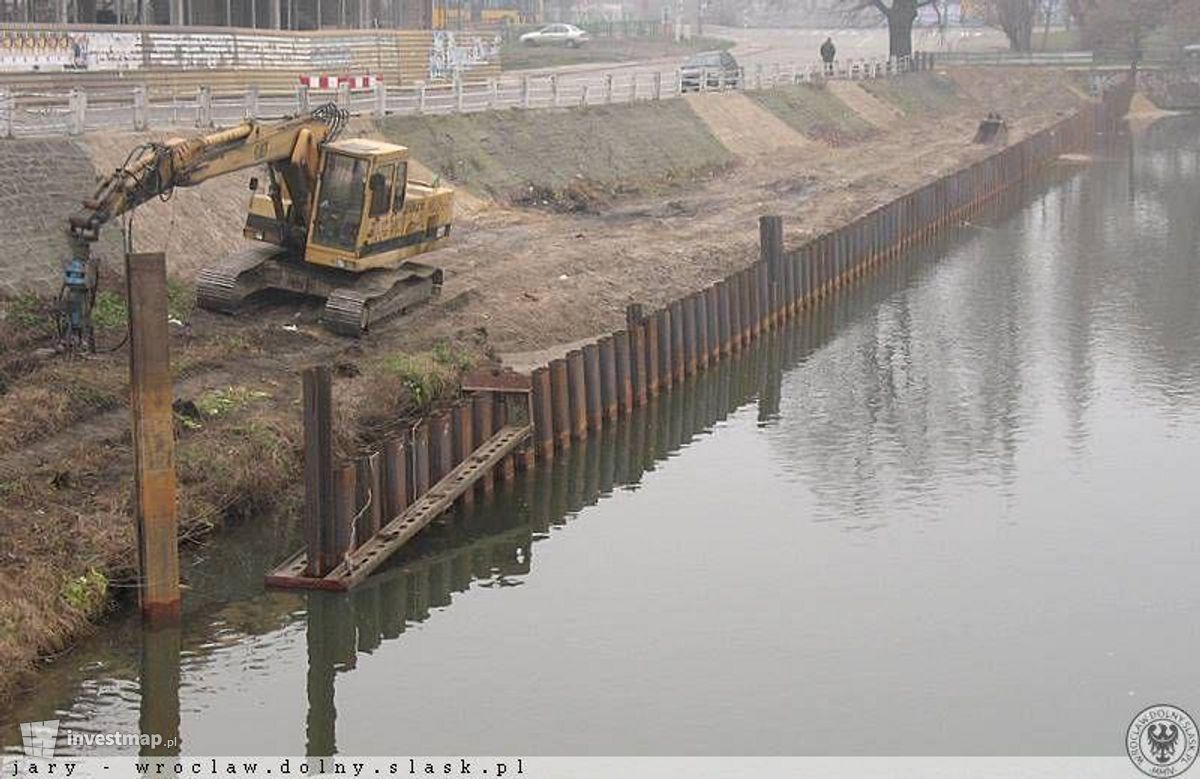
x: 379, y: 295
x: 353, y: 303
x: 345, y: 313
x: 223, y: 287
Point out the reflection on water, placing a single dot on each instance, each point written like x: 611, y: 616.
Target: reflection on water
x: 955, y: 517
x: 486, y: 547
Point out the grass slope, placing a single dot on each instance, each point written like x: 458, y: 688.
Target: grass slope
x: 918, y: 94
x: 568, y: 158
x: 814, y: 111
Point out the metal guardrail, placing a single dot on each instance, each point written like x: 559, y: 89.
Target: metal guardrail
x: 1060, y: 58
x: 28, y: 114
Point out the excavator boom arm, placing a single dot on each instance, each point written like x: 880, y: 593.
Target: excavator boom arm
x: 155, y: 169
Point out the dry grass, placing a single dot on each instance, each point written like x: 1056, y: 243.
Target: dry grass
x: 51, y: 396
x: 68, y: 524
x: 58, y: 394
x: 400, y: 386
x: 69, y: 533
x: 815, y: 112
x: 35, y: 618
x: 919, y: 94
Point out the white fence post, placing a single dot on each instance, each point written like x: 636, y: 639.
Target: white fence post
x: 677, y: 87
x: 204, y: 107
x: 380, y: 100
x: 343, y: 96
x: 525, y: 91
x: 608, y: 87
x: 7, y: 104
x: 251, y: 107
x: 78, y: 109
x: 139, y: 108
x: 421, y: 100
x: 658, y: 85
x: 302, y: 99
x: 703, y: 79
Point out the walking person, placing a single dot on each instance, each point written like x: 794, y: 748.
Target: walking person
x: 828, y: 54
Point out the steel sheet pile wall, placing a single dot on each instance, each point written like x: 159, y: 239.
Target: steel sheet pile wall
x: 658, y: 350
x: 578, y: 395
x: 356, y: 511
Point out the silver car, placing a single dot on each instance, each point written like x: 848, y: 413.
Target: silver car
x: 556, y: 35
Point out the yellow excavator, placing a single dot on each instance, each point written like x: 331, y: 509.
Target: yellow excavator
x: 339, y: 218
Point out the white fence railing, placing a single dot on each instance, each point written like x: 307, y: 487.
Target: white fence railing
x: 25, y: 114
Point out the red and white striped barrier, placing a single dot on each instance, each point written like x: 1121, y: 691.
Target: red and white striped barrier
x: 335, y: 82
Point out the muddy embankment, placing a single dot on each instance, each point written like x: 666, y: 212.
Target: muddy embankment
x: 564, y: 217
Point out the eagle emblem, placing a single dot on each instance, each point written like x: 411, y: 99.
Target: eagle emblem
x: 1163, y: 737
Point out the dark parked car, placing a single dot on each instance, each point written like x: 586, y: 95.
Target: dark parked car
x: 717, y: 68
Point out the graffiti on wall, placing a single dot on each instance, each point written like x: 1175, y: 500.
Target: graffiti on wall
x: 110, y: 50
x: 55, y: 50
x: 450, y: 55
x: 331, y: 55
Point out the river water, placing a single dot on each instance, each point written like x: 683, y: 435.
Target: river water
x: 952, y: 512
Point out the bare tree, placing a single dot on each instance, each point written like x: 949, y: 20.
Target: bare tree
x: 900, y: 15
x: 1015, y: 18
x: 1049, y: 9
x: 1122, y: 25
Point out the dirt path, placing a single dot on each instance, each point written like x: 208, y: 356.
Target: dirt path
x: 530, y: 280
x: 743, y: 126
x: 866, y: 105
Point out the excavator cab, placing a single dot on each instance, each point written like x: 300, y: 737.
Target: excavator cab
x: 338, y: 216
x: 368, y: 214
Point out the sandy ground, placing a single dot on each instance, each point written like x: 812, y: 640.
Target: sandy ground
x: 866, y: 105
x: 744, y: 127
x: 519, y: 281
